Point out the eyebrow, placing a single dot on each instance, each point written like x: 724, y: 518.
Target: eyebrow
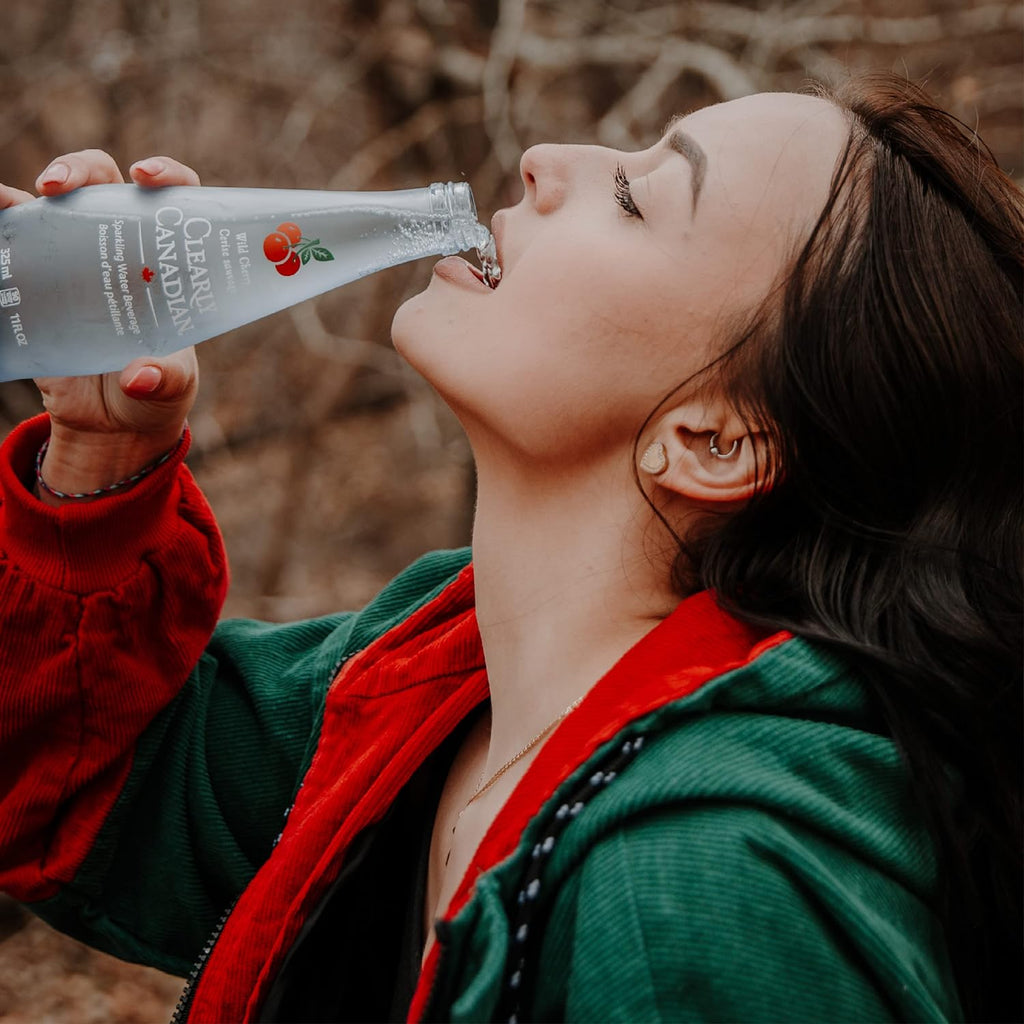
x: 687, y: 146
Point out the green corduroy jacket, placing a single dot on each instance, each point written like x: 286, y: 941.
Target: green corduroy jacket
x: 721, y: 831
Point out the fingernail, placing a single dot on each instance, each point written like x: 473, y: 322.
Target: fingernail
x: 146, y: 379
x: 152, y: 167
x: 55, y: 174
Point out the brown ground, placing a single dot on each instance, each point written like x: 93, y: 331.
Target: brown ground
x: 47, y: 977
x: 329, y: 465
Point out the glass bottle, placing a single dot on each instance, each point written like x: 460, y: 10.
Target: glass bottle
x: 91, y: 280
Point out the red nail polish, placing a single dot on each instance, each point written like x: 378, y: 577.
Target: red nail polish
x: 55, y: 174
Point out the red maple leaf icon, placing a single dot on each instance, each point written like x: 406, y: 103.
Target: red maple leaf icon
x: 147, y: 275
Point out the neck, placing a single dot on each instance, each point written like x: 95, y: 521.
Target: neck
x: 568, y: 577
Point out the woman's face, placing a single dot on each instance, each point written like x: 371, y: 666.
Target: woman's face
x: 617, y: 270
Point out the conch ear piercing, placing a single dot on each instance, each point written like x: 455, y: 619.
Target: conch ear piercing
x: 655, y: 459
x: 726, y: 455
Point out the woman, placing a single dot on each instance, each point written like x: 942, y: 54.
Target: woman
x: 722, y: 721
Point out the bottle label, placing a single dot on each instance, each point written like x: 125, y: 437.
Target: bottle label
x: 169, y: 283
x: 10, y: 299
x: 289, y: 250
x: 233, y: 253
x: 183, y: 267
x: 115, y: 246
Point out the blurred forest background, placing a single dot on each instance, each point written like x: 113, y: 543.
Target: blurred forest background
x: 329, y: 464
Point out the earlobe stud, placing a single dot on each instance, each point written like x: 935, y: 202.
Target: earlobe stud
x: 655, y: 459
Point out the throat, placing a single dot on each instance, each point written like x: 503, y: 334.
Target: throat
x: 458, y: 826
x: 566, y: 579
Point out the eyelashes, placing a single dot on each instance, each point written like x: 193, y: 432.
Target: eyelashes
x: 624, y: 193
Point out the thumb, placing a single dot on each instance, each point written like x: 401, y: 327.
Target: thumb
x: 141, y: 381
x: 160, y: 380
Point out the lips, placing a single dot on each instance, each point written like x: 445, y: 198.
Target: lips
x: 460, y: 271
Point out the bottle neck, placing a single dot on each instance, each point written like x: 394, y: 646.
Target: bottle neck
x: 453, y: 204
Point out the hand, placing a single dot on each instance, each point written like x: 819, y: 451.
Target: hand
x: 107, y: 426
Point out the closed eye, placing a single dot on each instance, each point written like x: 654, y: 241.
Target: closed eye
x: 624, y: 193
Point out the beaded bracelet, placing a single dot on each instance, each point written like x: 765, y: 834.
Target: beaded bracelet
x: 109, y: 488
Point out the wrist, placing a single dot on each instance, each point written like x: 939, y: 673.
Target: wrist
x: 87, y: 547
x: 83, y: 466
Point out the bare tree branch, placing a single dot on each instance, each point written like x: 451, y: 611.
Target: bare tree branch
x: 614, y: 129
x: 497, y: 70
x: 724, y: 73
x: 367, y: 163
x: 349, y: 352
x: 792, y: 30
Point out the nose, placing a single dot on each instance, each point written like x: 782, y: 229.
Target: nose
x: 546, y: 173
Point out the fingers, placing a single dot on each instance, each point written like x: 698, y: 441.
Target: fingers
x: 160, y: 380
x: 95, y: 167
x: 73, y: 170
x: 12, y: 196
x: 162, y: 170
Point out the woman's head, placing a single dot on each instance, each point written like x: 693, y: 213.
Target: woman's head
x: 886, y: 374
x: 619, y: 270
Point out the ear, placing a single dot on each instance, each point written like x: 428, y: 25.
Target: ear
x: 693, y: 470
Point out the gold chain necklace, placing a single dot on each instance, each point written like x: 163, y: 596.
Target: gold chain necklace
x: 483, y: 787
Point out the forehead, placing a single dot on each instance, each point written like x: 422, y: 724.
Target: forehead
x: 774, y: 148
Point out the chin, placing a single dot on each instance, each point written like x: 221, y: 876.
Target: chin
x: 401, y: 322
x: 431, y: 329
x: 412, y: 327
x: 423, y: 338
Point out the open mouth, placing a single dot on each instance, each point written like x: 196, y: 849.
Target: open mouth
x: 488, y: 275
x: 479, y: 274
x: 457, y: 269
x: 460, y: 271
x: 490, y: 268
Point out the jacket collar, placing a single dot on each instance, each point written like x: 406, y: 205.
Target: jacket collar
x: 696, y: 644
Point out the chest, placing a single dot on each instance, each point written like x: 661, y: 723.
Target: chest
x: 462, y: 820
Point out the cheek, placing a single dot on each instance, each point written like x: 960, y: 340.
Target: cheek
x: 589, y: 361
x: 584, y: 303
x: 580, y: 344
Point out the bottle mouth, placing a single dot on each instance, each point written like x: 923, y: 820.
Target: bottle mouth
x: 463, y: 202
x: 454, y: 203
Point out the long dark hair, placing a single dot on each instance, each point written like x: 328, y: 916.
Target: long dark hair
x: 886, y: 369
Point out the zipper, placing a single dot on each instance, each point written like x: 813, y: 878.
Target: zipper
x: 185, y: 999
x: 181, y: 1010
x: 184, y: 1004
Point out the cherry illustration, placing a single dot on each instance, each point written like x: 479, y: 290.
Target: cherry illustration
x: 287, y: 248
x: 291, y: 231
x: 277, y: 247
x: 290, y: 265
